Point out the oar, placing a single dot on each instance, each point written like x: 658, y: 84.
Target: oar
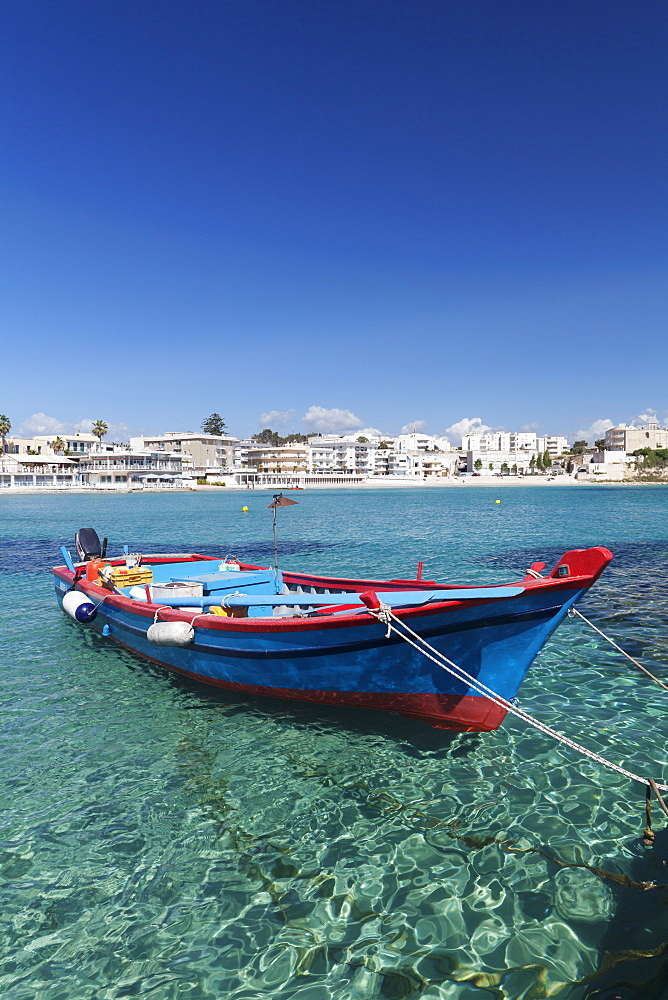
x: 394, y: 598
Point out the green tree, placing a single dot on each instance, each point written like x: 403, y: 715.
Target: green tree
x: 214, y: 424
x: 383, y: 446
x: 362, y: 440
x: 652, y: 457
x: 514, y: 469
x: 100, y: 429
x: 547, y: 460
x: 491, y: 466
x: 600, y: 444
x: 539, y: 462
x: 58, y: 445
x: 477, y: 465
x: 5, y: 428
x: 579, y: 447
x: 504, y: 468
x: 532, y: 463
x: 266, y: 436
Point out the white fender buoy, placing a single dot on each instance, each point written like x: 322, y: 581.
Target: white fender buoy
x: 79, y: 607
x: 170, y: 634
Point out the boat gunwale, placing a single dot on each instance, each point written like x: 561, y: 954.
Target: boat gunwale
x: 333, y: 621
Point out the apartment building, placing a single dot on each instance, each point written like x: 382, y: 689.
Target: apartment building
x: 283, y: 458
x: 201, y: 452
x: 627, y: 438
x: 132, y: 467
x: 554, y: 445
x: 79, y: 443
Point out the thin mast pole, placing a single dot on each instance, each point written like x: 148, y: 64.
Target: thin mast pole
x: 275, y: 546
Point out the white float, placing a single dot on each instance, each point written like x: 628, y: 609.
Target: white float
x: 79, y: 607
x: 171, y: 634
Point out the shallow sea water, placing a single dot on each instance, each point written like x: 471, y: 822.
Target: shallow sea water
x: 166, y: 840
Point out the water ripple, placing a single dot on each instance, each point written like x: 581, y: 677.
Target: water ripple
x: 166, y: 840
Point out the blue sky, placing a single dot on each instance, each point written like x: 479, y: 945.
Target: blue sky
x: 374, y: 213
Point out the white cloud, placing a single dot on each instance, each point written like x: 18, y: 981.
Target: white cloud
x: 334, y: 421
x: 467, y: 425
x: 594, y: 432
x: 41, y: 423
x: 414, y: 427
x: 276, y: 417
x: 371, y: 432
x: 643, y: 418
x: 530, y: 427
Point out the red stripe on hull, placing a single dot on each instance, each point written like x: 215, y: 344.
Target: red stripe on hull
x: 469, y: 714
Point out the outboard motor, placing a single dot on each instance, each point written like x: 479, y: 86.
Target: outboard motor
x: 88, y: 545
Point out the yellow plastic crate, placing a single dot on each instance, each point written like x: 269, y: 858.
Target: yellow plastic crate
x: 120, y: 576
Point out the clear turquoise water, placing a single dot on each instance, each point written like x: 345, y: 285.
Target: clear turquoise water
x: 165, y: 840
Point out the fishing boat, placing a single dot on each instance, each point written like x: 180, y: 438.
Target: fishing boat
x: 326, y: 639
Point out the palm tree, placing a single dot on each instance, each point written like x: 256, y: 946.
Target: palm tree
x: 5, y: 428
x: 100, y: 429
x: 58, y: 445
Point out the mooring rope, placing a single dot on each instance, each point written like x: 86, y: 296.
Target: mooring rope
x: 574, y: 611
x: 385, y: 614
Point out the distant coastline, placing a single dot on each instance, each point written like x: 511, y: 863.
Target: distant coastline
x: 468, y: 482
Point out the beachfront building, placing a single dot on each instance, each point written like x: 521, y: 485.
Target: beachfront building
x: 488, y: 463
x: 614, y: 464
x: 331, y: 454
x: 205, y: 455
x: 78, y: 443
x: 420, y: 442
x: 515, y: 441
x: 624, y: 437
x: 432, y: 464
x: 133, y: 469
x: 281, y: 458
x: 555, y: 446
x: 502, y: 451
x: 20, y: 470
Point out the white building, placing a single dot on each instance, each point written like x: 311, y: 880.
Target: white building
x: 624, y: 437
x: 332, y: 454
x: 491, y: 462
x: 29, y: 471
x: 612, y: 464
x: 133, y: 469
x: 554, y: 445
x: 204, y: 453
x: 421, y: 442
x: 79, y: 443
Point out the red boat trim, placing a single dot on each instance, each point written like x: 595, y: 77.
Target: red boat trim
x: 276, y: 625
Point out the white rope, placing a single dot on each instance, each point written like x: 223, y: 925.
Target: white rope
x: 203, y: 614
x: 224, y: 603
x: 385, y: 615
x: 574, y: 611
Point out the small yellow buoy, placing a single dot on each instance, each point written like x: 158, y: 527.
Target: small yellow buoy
x: 244, y: 509
x: 497, y: 501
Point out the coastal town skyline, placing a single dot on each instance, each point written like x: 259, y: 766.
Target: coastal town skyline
x: 323, y: 420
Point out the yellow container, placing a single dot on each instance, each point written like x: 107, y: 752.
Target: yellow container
x: 120, y: 576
